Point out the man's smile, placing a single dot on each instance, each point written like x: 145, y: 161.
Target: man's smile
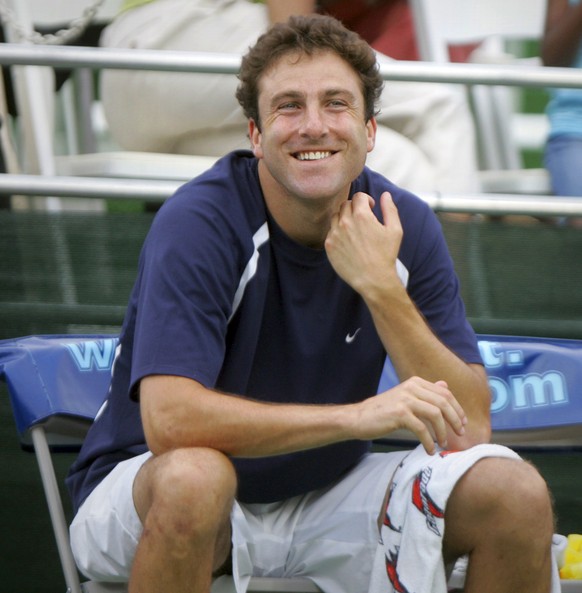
x: 313, y: 155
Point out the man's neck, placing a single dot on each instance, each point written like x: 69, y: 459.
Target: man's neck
x: 306, y: 221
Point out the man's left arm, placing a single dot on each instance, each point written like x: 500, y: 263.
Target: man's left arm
x: 359, y: 246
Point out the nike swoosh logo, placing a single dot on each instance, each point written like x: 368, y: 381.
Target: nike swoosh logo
x: 351, y: 337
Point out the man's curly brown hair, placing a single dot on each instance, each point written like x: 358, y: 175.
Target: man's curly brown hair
x: 307, y: 35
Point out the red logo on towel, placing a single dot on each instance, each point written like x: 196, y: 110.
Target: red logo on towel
x: 392, y: 572
x: 423, y: 501
x: 448, y: 452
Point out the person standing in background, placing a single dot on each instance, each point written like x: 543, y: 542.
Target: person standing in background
x: 387, y: 25
x: 561, y: 47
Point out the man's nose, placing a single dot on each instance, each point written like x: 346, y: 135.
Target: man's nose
x: 313, y: 123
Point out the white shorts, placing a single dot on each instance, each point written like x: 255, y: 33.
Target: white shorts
x: 330, y: 535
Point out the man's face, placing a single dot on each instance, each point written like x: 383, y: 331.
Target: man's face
x: 314, y: 138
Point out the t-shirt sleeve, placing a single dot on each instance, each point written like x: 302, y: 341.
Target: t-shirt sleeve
x: 184, y: 295
x: 435, y: 289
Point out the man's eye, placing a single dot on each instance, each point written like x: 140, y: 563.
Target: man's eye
x: 288, y: 106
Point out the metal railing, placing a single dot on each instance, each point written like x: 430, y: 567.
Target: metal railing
x: 150, y: 190
x: 155, y: 191
x: 180, y: 61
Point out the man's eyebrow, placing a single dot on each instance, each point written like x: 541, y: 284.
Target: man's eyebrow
x: 285, y: 96
x: 340, y: 92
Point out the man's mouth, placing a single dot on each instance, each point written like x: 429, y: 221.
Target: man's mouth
x: 313, y: 155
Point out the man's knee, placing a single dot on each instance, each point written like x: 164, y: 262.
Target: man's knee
x: 189, y: 489
x: 509, y: 485
x: 501, y: 499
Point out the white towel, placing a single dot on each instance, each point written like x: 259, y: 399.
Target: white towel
x: 409, y: 558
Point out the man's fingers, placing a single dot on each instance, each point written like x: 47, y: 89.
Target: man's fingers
x: 428, y: 432
x: 434, y: 421
x: 436, y: 407
x: 424, y: 435
x: 362, y: 200
x: 389, y: 210
x: 452, y: 410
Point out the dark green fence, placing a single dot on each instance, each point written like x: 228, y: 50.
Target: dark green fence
x: 66, y: 273
x: 519, y: 276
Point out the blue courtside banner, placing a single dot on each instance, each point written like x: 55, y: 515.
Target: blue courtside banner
x: 535, y: 383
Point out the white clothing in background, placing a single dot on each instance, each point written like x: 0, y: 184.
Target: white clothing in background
x: 425, y: 139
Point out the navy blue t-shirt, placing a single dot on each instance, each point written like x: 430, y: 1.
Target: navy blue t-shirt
x: 224, y: 297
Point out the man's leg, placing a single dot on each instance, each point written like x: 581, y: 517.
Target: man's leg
x: 183, y: 499
x: 500, y: 513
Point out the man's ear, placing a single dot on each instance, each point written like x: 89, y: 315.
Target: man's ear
x: 371, y: 126
x: 255, y: 137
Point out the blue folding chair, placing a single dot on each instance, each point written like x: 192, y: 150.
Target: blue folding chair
x: 57, y: 384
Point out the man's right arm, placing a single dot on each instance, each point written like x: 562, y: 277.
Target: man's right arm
x: 178, y: 412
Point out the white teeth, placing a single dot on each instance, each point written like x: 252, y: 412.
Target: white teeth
x: 313, y: 156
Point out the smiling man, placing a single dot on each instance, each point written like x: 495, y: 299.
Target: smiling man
x: 236, y: 435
